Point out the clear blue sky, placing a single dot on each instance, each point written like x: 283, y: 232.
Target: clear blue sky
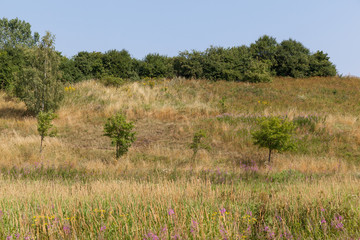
x: 170, y: 26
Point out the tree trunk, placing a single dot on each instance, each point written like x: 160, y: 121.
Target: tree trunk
x: 41, y: 143
x: 117, y: 151
x: 270, y: 154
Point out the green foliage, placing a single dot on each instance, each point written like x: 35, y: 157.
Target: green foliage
x: 45, y: 127
x: 156, y: 66
x: 257, y: 72
x: 70, y: 73
x: 6, y: 69
x: 264, y: 49
x: 39, y: 86
x: 120, y: 132
x: 11, y: 61
x: 16, y: 33
x: 321, y: 66
x: 112, y: 81
x: 223, y: 104
x: 292, y: 59
x: 189, y: 64
x: 227, y: 64
x: 90, y: 64
x: 117, y: 63
x: 197, y: 143
x: 275, y: 134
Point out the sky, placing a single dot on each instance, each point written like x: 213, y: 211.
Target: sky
x: 170, y: 26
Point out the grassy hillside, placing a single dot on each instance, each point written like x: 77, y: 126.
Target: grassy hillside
x: 77, y: 189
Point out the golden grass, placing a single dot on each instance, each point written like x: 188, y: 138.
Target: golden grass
x: 167, y: 115
x: 157, y: 173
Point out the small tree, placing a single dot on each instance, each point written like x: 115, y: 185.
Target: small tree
x: 45, y: 127
x: 275, y: 134
x: 196, y: 144
x: 39, y: 85
x: 120, y: 132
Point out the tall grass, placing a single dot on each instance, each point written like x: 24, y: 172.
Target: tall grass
x: 77, y: 190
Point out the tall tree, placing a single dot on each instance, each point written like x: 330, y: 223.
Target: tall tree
x: 15, y: 32
x: 292, y: 59
x: 39, y: 85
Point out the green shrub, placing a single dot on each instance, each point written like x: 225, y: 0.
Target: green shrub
x: 264, y: 49
x: 156, y: 66
x: 90, y: 64
x: 257, y: 72
x: 292, y: 59
x: 112, y: 81
x: 226, y: 64
x: 321, y: 66
x: 223, y: 104
x: 120, y: 132
x: 45, y: 127
x: 189, y: 64
x: 11, y: 61
x: 197, y: 143
x: 70, y: 73
x: 275, y: 134
x: 117, y: 63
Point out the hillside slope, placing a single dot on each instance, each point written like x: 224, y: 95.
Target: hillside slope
x: 77, y: 189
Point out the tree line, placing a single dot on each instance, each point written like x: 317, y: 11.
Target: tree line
x: 258, y: 62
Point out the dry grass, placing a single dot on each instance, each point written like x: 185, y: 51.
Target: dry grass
x: 158, y: 174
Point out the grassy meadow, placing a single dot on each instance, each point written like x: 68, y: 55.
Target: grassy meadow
x: 76, y: 189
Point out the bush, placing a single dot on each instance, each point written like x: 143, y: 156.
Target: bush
x: 70, y: 73
x: 189, y: 64
x: 292, y: 59
x: 11, y: 61
x: 275, y: 134
x: 117, y: 63
x: 45, y: 127
x: 156, y: 66
x: 112, y: 81
x: 321, y: 66
x: 90, y: 64
x: 120, y: 132
x: 257, y: 72
x: 264, y: 49
x: 226, y: 64
x: 197, y: 143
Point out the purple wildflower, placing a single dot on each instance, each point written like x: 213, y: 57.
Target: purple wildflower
x: 337, y: 223
x: 151, y: 236
x: 171, y: 212
x: 222, y: 211
x: 28, y: 236
x: 163, y: 233
x: 66, y: 229
x: 176, y: 236
x: 223, y: 233
x: 194, y: 227
x: 103, y: 228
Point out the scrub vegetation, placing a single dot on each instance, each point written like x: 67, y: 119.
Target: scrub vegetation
x: 195, y: 169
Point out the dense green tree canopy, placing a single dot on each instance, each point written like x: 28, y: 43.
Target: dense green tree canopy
x: 39, y: 85
x: 15, y: 33
x: 259, y: 62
